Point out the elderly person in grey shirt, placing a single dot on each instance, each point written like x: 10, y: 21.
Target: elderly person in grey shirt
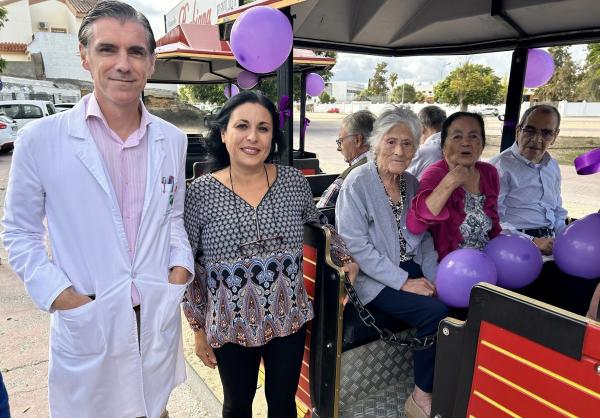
x: 352, y: 144
x: 530, y: 204
x: 432, y: 118
x: 397, y: 268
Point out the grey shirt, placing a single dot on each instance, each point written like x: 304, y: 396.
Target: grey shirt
x: 428, y: 153
x: 367, y: 224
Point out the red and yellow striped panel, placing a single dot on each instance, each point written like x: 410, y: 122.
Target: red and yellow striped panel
x: 303, y: 404
x: 515, y: 377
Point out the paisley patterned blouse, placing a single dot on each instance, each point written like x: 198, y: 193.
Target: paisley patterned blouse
x: 249, y: 283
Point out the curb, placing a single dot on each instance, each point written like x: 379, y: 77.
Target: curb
x: 213, y: 407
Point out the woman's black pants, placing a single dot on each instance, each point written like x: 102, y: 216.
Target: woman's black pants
x: 238, y: 368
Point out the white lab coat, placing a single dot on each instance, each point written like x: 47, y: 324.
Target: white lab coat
x: 95, y: 368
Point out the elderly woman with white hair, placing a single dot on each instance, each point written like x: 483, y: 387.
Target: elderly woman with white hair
x: 397, y: 268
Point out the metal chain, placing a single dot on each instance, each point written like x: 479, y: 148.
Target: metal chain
x: 413, y: 343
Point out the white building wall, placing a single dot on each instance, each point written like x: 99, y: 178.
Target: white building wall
x: 73, y: 24
x: 53, y: 12
x: 14, y: 56
x: 344, y: 91
x: 18, y: 27
x: 61, y: 55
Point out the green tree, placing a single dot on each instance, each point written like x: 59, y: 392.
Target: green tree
x: 469, y: 84
x: 378, y: 83
x: 420, y: 97
x: 393, y: 79
x: 404, y: 93
x: 3, y: 19
x: 589, y: 85
x: 325, y: 97
x: 362, y: 96
x: 205, y: 93
x: 564, y: 81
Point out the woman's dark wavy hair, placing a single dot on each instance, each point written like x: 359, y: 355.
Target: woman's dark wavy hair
x: 222, y: 120
x: 458, y: 115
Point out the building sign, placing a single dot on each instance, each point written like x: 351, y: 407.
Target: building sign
x: 201, y: 12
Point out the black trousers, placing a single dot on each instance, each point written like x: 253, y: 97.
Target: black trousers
x: 422, y: 312
x: 238, y: 368
x: 558, y: 288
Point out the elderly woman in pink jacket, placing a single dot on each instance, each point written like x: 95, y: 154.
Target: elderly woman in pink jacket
x: 457, y: 197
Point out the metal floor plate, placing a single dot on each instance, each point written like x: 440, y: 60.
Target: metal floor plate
x: 375, y: 380
x: 388, y: 403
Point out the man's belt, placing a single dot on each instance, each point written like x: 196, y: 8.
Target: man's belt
x: 538, y: 232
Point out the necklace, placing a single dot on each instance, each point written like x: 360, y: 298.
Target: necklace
x: 251, y: 248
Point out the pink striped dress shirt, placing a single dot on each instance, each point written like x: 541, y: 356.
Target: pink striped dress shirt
x: 126, y: 163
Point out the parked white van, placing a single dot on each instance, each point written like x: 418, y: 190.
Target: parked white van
x: 25, y: 111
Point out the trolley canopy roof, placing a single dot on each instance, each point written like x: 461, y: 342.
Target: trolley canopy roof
x: 429, y: 27
x: 194, y: 54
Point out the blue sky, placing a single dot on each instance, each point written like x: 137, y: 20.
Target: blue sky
x: 352, y: 67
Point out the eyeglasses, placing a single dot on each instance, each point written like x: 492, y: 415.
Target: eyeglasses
x: 341, y: 138
x: 252, y: 248
x: 531, y: 132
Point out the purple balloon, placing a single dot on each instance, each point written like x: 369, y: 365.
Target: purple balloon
x: 577, y: 248
x: 231, y: 90
x: 247, y: 80
x: 517, y: 259
x: 261, y: 39
x: 540, y: 67
x: 314, y: 84
x: 459, y: 271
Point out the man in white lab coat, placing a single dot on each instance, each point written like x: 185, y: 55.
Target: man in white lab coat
x: 108, y: 178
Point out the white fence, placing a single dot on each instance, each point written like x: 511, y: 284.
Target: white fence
x: 583, y: 109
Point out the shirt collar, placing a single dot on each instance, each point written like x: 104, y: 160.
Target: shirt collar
x: 92, y: 109
x: 360, y: 157
x: 515, y: 151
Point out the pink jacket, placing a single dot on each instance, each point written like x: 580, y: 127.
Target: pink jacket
x: 445, y: 227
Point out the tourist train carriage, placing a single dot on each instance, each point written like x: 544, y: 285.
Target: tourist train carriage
x: 513, y: 357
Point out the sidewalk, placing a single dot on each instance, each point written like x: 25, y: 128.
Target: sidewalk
x: 24, y: 360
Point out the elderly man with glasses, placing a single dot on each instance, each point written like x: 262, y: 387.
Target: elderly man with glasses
x: 530, y: 204
x: 352, y: 143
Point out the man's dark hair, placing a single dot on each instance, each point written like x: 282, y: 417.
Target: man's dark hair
x: 222, y: 120
x: 120, y: 11
x: 458, y: 115
x: 432, y: 117
x: 544, y: 108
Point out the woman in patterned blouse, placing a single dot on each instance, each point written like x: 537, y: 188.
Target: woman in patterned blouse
x: 397, y: 268
x: 457, y: 199
x: 245, y: 224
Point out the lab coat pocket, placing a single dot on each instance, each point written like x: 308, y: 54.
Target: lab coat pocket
x: 78, y: 330
x: 171, y: 308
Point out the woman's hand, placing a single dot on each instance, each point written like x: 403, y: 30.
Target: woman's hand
x: 203, y: 349
x: 420, y: 286
x: 458, y: 176
x: 352, y: 271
